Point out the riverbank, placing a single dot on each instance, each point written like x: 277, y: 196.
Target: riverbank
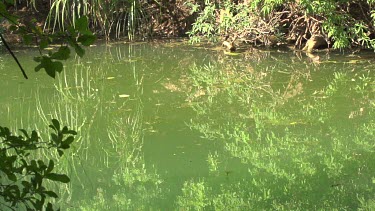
x: 308, y: 25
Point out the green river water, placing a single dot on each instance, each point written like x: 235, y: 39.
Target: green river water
x: 171, y: 126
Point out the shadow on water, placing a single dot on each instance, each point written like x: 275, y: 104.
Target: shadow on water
x: 169, y: 126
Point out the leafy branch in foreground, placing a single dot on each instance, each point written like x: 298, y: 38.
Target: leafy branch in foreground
x: 12, y: 54
x: 74, y: 36
x: 22, y: 175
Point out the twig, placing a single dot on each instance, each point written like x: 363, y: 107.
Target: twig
x: 14, y: 57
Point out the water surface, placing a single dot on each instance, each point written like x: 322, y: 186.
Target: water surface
x: 170, y: 126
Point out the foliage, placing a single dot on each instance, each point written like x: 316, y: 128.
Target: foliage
x: 75, y: 36
x: 344, y: 23
x: 78, y: 35
x: 120, y: 17
x: 136, y: 189
x: 287, y: 154
x: 194, y: 196
x: 22, y: 175
x: 205, y: 23
x: 200, y: 196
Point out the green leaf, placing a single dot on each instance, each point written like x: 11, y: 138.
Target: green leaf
x: 43, y: 43
x: 33, y: 166
x: 64, y: 130
x: 58, y: 177
x: 55, y: 138
x: 51, y: 67
x: 38, y: 204
x: 62, y: 54
x: 78, y: 49
x: 49, y: 206
x: 69, y: 140
x: 27, y: 38
x: 72, y: 32
x: 38, y: 67
x: 25, y: 133
x: 56, y: 124
x: 65, y: 144
x: 52, y: 127
x: 58, y: 66
x: 38, y: 58
x: 26, y: 186
x: 81, y: 24
x: 60, y: 152
x: 50, y: 167
x: 11, y: 176
x: 50, y: 194
x: 73, y: 132
x: 24, y: 163
x: 86, y: 39
x: 41, y: 165
x: 34, y: 136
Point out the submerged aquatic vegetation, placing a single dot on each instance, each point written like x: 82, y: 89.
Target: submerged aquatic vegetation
x: 289, y: 155
x: 268, y: 132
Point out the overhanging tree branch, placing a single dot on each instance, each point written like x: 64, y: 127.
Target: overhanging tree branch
x: 14, y: 57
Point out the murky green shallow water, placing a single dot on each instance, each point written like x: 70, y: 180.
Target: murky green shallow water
x: 169, y: 126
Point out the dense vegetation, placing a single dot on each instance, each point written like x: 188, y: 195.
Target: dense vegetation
x: 340, y: 23
x: 333, y: 23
